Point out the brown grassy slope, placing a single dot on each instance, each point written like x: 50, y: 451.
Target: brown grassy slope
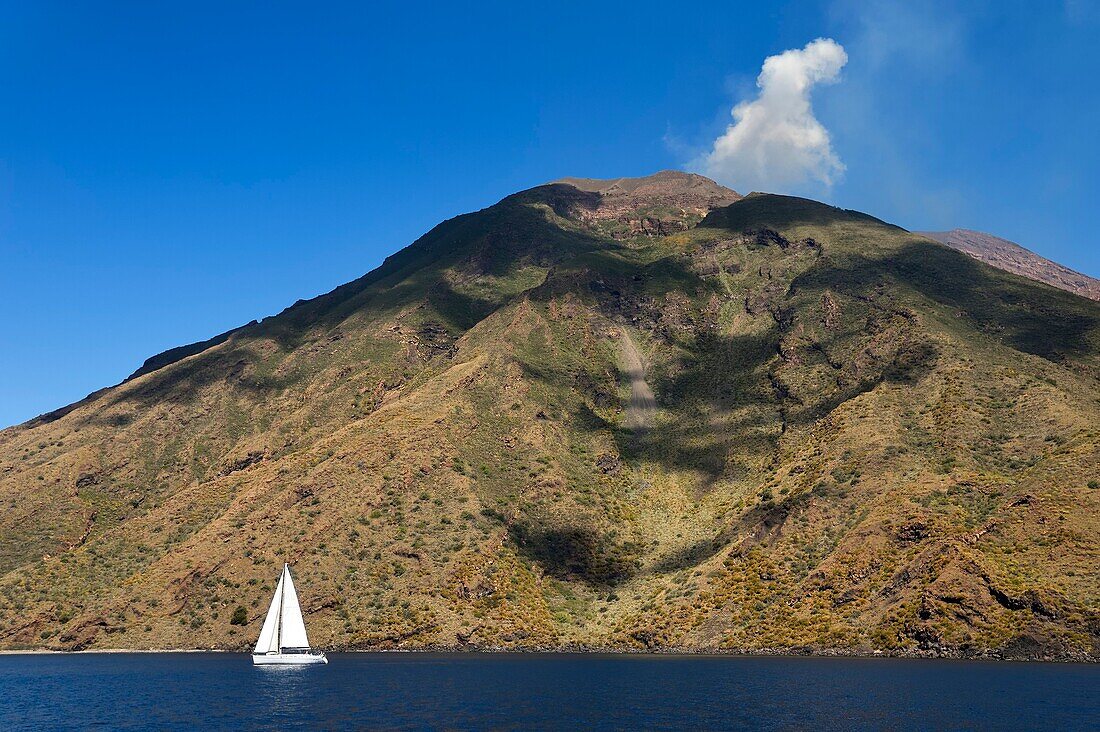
x: 863, y: 441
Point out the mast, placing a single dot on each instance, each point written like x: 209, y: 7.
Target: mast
x: 279, y: 625
x: 282, y: 603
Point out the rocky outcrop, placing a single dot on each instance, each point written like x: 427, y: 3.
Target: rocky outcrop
x: 656, y: 205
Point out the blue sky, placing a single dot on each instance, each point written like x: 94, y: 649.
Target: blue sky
x: 170, y: 172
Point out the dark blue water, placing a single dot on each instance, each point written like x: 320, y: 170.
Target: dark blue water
x: 451, y: 691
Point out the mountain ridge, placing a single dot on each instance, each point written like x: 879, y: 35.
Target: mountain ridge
x: 703, y: 193
x: 1012, y: 257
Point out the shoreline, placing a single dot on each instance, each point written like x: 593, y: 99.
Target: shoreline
x: 595, y: 652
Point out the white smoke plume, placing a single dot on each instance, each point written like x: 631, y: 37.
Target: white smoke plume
x: 775, y: 142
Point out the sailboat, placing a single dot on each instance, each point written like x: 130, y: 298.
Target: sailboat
x: 283, y: 636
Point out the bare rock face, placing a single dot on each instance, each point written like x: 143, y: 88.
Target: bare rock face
x: 655, y: 205
x: 670, y: 186
x: 1012, y: 257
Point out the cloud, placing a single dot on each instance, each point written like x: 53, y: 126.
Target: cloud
x: 775, y: 142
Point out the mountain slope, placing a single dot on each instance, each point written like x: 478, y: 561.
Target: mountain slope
x: 857, y: 439
x: 1012, y: 257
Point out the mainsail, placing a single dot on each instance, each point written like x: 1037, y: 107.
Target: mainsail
x: 292, y: 628
x: 269, y: 634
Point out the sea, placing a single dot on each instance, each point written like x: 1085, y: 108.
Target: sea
x: 435, y: 691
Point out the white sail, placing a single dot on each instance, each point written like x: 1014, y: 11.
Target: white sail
x: 292, y: 629
x: 269, y: 634
x: 283, y: 640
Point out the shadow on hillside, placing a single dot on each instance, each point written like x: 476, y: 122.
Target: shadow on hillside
x: 573, y: 553
x: 781, y: 212
x: 690, y: 556
x: 718, y: 408
x: 721, y: 378
x: 1026, y: 316
x: 721, y: 410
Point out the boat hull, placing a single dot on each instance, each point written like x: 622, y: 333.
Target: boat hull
x: 288, y: 659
